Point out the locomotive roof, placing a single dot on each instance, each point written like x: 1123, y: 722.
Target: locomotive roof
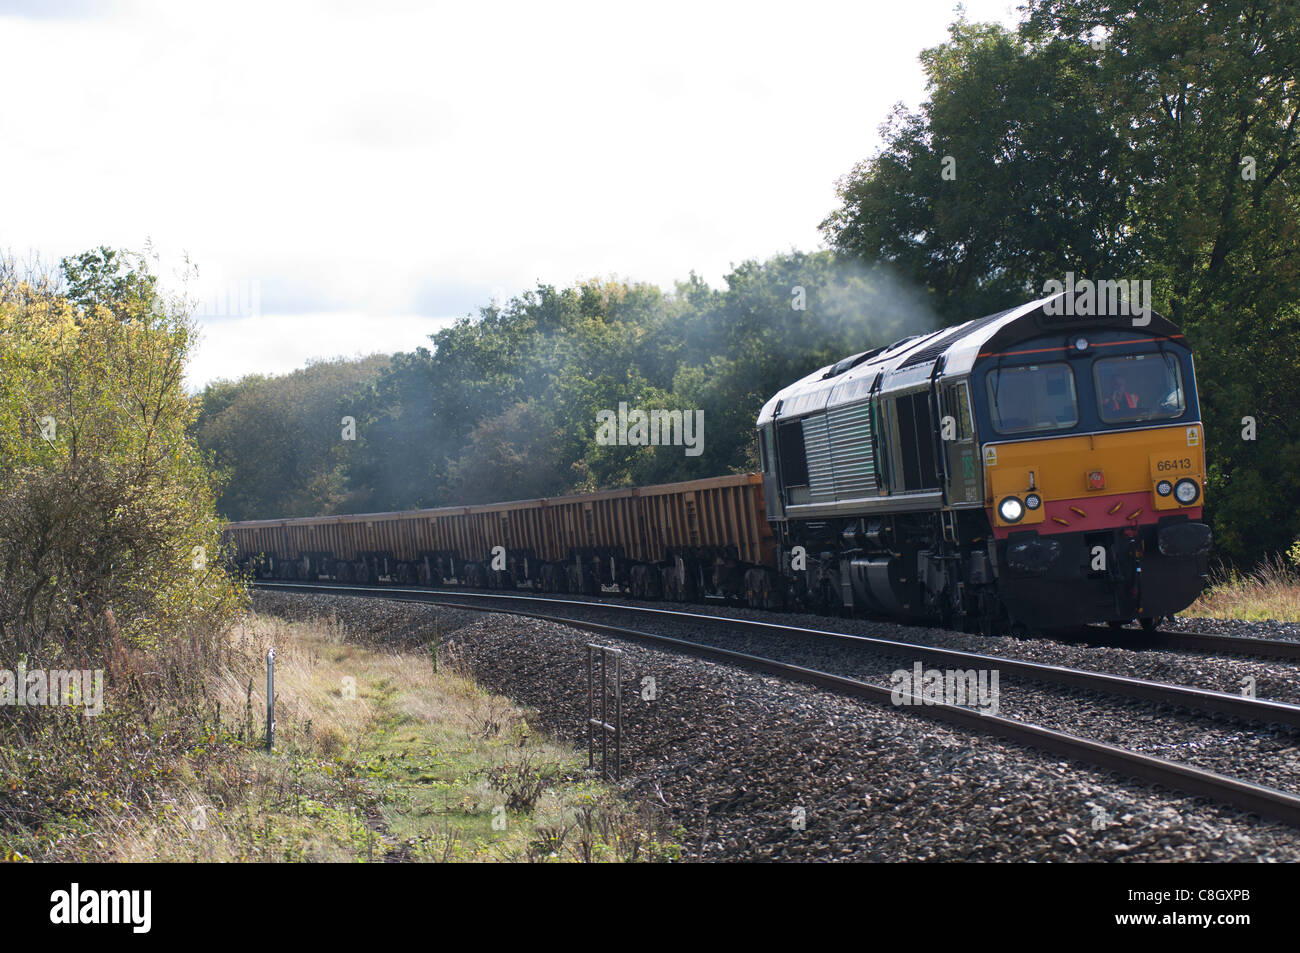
x: 911, y: 361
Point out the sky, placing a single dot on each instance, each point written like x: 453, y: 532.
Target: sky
x: 350, y: 177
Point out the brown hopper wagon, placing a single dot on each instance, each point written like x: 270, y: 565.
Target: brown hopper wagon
x: 675, y: 540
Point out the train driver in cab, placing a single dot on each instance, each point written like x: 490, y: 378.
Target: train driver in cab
x: 1120, y: 399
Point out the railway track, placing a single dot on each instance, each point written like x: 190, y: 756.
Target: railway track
x: 1212, y: 643
x: 1194, y: 699
x: 1259, y: 799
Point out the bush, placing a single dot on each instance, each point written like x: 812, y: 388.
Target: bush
x: 109, y: 538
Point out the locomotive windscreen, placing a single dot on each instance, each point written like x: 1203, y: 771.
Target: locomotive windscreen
x: 1033, y: 397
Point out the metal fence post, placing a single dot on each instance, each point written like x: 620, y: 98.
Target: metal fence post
x: 604, y: 715
x: 618, y: 716
x: 270, y: 699
x: 591, y: 707
x: 602, y: 723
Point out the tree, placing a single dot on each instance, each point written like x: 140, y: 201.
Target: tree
x: 1010, y: 173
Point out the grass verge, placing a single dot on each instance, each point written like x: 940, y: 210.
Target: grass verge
x: 378, y: 757
x: 1270, y: 591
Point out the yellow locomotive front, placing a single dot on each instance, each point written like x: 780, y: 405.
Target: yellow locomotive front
x: 1094, y: 473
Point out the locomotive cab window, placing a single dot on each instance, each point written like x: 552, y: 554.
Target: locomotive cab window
x: 1138, y: 387
x: 1032, y: 397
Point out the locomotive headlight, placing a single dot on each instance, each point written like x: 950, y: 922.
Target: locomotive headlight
x: 1011, y: 510
x: 1186, y: 491
x: 1033, y: 501
x: 1164, y: 488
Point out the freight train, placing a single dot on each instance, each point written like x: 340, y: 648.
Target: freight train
x: 1037, y: 468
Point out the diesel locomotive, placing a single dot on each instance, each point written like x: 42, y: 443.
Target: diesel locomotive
x: 1038, y: 468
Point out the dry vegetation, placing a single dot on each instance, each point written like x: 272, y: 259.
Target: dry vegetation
x: 1269, y: 591
x: 413, y: 765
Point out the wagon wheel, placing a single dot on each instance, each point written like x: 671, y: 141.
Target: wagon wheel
x: 669, y: 584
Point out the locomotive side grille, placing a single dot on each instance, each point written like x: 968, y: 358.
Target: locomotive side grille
x: 854, y: 463
x: 817, y: 446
